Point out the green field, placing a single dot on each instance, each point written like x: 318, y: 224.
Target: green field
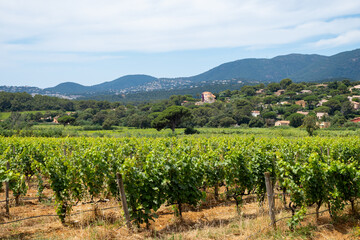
x: 151, y: 132
x: 4, y: 115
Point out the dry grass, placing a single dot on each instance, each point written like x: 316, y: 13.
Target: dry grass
x: 213, y: 220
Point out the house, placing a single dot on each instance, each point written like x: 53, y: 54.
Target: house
x: 282, y: 123
x: 184, y: 102
x: 357, y: 87
x: 285, y: 103
x: 352, y: 97
x: 324, y: 124
x: 301, y: 103
x: 255, y: 113
x: 355, y: 120
x: 321, y: 85
x: 260, y: 91
x: 322, y: 101
x: 319, y: 115
x: 279, y: 92
x: 303, y: 113
x: 306, y: 91
x: 56, y: 119
x: 208, y: 97
x: 356, y: 105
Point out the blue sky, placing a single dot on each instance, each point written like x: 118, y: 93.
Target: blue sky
x: 44, y: 43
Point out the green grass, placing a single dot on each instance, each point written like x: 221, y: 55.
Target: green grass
x: 4, y: 115
x: 204, y: 132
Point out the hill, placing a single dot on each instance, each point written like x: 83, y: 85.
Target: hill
x: 127, y: 81
x: 273, y: 69
x: 122, y: 83
x: 68, y: 88
x: 298, y: 67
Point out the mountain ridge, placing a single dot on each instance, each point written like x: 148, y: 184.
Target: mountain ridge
x: 298, y: 67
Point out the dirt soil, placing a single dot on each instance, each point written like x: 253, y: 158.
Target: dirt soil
x: 212, y: 220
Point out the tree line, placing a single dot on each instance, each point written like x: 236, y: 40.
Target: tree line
x: 232, y: 108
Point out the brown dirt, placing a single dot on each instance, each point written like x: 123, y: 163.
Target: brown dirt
x: 213, y: 220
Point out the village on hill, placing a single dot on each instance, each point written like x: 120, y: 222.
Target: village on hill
x: 286, y: 103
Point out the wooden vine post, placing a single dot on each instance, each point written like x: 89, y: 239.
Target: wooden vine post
x: 123, y: 199
x: 7, y: 192
x: 271, y: 201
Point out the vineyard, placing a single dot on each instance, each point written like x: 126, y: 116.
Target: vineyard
x: 318, y: 172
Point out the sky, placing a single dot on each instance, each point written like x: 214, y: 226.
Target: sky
x: 47, y: 42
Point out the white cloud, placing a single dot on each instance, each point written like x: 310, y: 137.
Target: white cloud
x: 169, y: 25
x: 346, y: 38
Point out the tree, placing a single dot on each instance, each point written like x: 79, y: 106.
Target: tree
x: 171, y: 117
x: 100, y: 117
x: 176, y: 99
x: 107, y: 124
x: 256, y: 122
x: 248, y: 90
x: 346, y: 109
x: 342, y: 88
x: 322, y: 109
x: 270, y: 99
x: 291, y: 94
x: 66, y: 119
x: 311, y: 99
x: 269, y: 115
x: 333, y: 85
x: 310, y: 124
x: 273, y: 87
x: 296, y: 119
x: 334, y: 105
x: 295, y: 87
x: 285, y: 82
x: 227, y: 122
x: 338, y: 120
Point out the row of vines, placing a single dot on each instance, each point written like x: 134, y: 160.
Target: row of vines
x: 177, y: 171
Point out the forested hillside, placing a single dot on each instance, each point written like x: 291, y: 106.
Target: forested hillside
x: 331, y: 104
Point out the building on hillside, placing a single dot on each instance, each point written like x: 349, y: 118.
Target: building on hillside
x: 355, y: 120
x: 319, y: 115
x: 356, y: 105
x: 321, y: 85
x: 301, y: 103
x: 260, y: 91
x: 352, y: 97
x: 357, y: 87
x: 279, y: 92
x: 321, y: 102
x: 303, y: 113
x: 324, y: 124
x: 306, y: 91
x: 255, y: 113
x: 56, y: 119
x: 208, y: 97
x: 184, y: 102
x: 285, y: 103
x: 282, y: 123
